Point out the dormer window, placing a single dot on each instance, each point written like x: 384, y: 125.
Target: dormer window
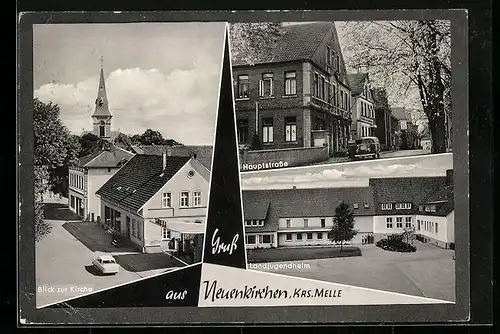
x: 386, y: 206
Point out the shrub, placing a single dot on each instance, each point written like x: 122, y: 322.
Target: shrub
x: 395, y: 243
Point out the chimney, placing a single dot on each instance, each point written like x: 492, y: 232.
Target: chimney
x: 449, y: 177
x: 164, y: 156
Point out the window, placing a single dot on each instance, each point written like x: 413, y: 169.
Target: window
x: 197, y: 198
x: 243, y: 131
x: 334, y: 94
x: 399, y: 219
x: 436, y: 227
x: 166, y: 200
x: 243, y: 86
x: 184, y: 199
x: 408, y: 225
x: 288, y: 237
x: 408, y: 219
x: 306, y: 222
x: 290, y: 83
x: 366, y: 205
x: 290, y: 129
x: 320, y: 235
x: 267, y: 130
x: 327, y: 91
x: 251, y: 239
x: 266, y: 85
x: 299, y: 236
x: 288, y: 223
x: 165, y: 233
x: 102, y: 129
x: 139, y: 229
x: 338, y: 63
x: 72, y: 201
x: 403, y: 206
x: 266, y: 239
x: 399, y: 225
x: 389, y: 222
x: 386, y: 206
x: 315, y: 84
x: 355, y: 206
x: 323, y: 224
x: 321, y: 88
x: 309, y: 236
x: 328, y: 56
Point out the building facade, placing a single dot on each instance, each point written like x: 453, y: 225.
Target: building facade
x: 382, y: 118
x: 91, y: 172
x: 296, y: 96
x: 158, y: 202
x: 388, y: 206
x: 363, y: 112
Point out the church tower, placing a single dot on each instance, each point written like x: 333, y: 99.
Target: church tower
x: 101, y: 118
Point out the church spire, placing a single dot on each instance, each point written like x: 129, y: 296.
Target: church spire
x: 101, y: 103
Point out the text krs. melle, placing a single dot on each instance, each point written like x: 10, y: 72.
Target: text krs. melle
x: 220, y: 247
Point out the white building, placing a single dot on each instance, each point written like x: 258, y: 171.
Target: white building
x: 304, y: 217
x: 91, y: 172
x: 158, y: 202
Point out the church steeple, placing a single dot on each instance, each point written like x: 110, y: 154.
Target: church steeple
x: 102, y: 117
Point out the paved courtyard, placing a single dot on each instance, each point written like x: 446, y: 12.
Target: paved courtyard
x: 429, y: 272
x: 63, y: 261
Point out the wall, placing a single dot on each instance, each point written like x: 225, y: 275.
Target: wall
x: 380, y: 229
x: 96, y: 177
x: 123, y: 221
x: 450, y: 227
x: 441, y: 237
x: 259, y: 241
x: 292, y: 157
x: 181, y: 182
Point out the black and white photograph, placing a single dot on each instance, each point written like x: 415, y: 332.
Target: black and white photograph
x: 123, y: 134
x: 328, y: 92
x: 266, y: 164
x: 366, y: 106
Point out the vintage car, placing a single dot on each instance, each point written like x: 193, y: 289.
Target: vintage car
x: 364, y: 147
x: 106, y: 264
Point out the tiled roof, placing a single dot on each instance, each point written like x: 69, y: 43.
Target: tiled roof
x: 86, y: 159
x: 110, y: 157
x: 137, y: 181
x: 413, y: 190
x: 307, y: 202
x: 297, y: 42
x: 203, y: 152
x: 357, y: 82
x: 444, y: 200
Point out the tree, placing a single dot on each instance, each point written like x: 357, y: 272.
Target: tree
x: 404, y: 140
x: 251, y: 41
x: 89, y: 143
x: 343, y: 225
x: 123, y: 141
x: 410, y: 58
x: 54, y: 150
x: 152, y: 137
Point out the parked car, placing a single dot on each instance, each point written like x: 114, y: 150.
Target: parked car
x: 106, y: 264
x: 364, y: 147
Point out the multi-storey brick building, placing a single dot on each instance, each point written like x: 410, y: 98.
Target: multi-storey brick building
x: 363, y: 113
x: 297, y: 95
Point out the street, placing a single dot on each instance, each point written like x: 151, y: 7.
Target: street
x: 63, y: 260
x: 383, y: 155
x: 429, y: 272
x: 351, y: 173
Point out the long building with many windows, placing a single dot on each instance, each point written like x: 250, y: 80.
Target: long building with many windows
x: 304, y: 217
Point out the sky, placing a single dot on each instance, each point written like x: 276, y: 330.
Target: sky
x: 352, y: 174
x: 163, y: 76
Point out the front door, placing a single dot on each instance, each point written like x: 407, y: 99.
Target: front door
x: 128, y: 226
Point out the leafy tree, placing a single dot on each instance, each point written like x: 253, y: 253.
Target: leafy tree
x: 343, y: 225
x: 123, y: 141
x: 152, y: 137
x: 89, y: 143
x: 135, y: 139
x: 404, y: 140
x: 251, y: 41
x: 412, y: 59
x: 54, y: 150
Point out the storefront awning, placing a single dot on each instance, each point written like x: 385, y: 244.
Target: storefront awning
x: 186, y: 228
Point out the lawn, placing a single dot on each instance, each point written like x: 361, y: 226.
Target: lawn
x: 299, y: 253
